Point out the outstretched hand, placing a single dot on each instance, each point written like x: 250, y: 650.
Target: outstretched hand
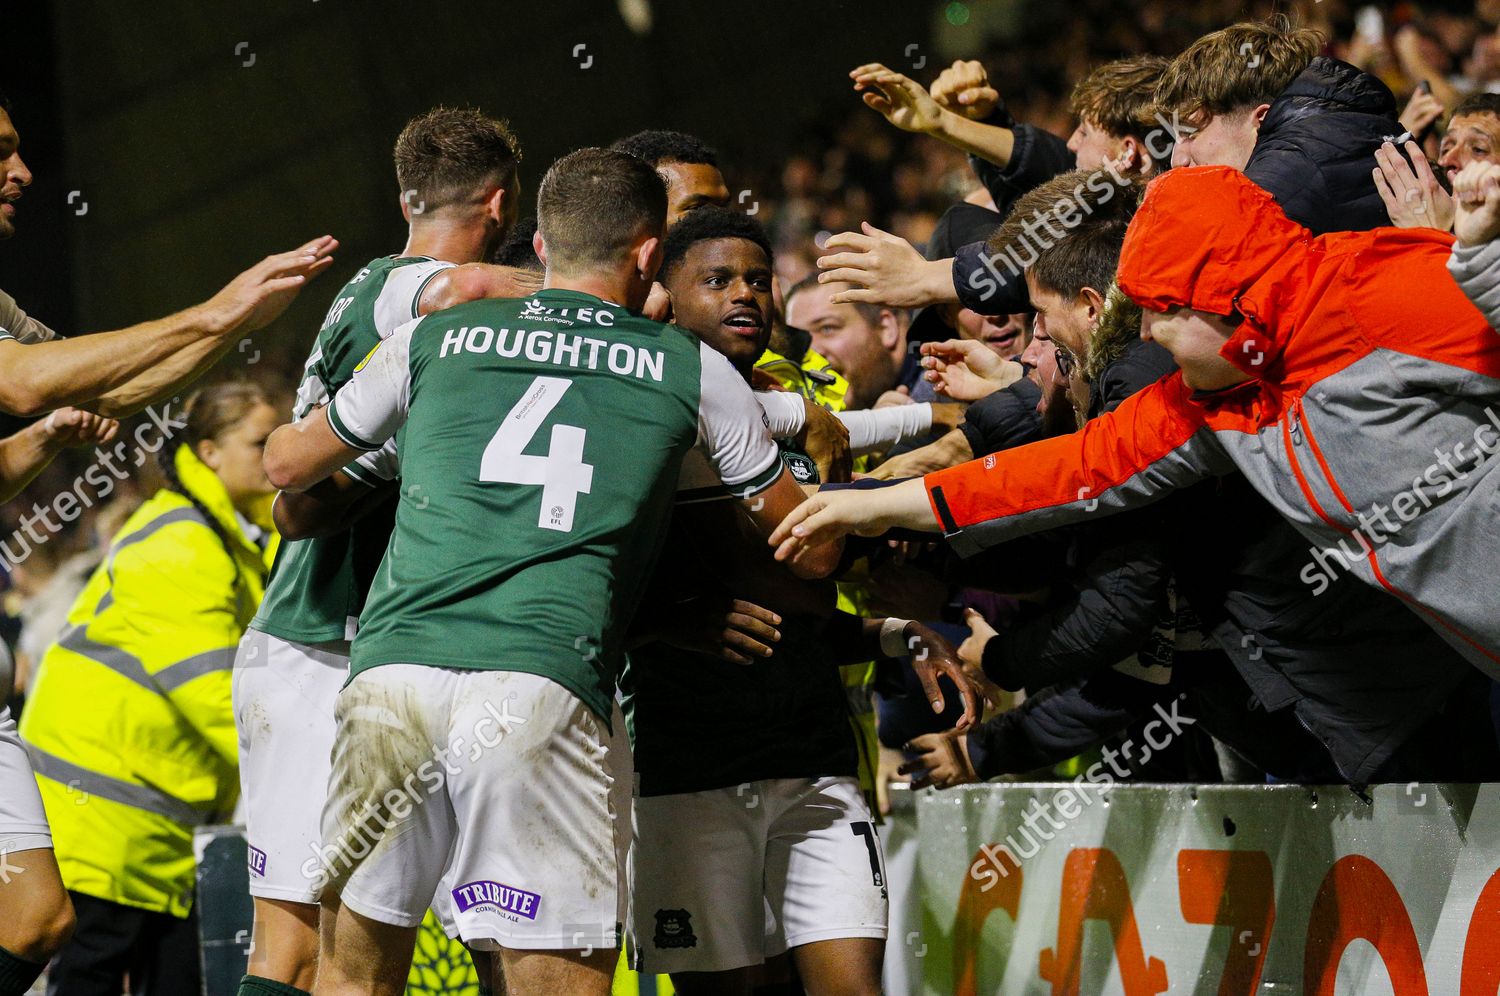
x: 967, y: 370
x: 880, y: 268
x: 76, y: 427
x: 899, y: 99
x: 1412, y: 195
x: 1476, y: 191
x: 257, y: 297
x: 964, y: 88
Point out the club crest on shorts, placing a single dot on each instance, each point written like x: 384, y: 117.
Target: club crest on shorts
x: 674, y: 929
x: 495, y: 897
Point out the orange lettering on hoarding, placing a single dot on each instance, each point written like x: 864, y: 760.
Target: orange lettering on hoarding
x: 993, y: 883
x: 1357, y: 900
x: 1234, y: 889
x: 1481, y: 968
x: 1094, y: 888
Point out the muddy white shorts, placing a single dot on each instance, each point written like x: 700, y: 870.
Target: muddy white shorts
x: 284, y: 697
x: 730, y: 877
x: 23, y: 821
x: 502, y: 783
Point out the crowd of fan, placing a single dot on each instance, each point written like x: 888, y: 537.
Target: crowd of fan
x: 1088, y: 627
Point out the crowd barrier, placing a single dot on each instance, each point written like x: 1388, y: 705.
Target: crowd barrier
x: 1077, y: 889
x: 1070, y: 889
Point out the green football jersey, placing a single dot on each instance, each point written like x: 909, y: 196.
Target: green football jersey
x: 541, y: 445
x: 317, y: 586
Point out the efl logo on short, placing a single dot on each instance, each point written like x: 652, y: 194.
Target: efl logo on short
x: 257, y: 861
x: 496, y: 897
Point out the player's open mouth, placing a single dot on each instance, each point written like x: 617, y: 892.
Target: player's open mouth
x: 1003, y: 339
x: 744, y: 321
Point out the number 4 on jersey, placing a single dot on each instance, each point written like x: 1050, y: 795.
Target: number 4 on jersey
x: 562, y: 473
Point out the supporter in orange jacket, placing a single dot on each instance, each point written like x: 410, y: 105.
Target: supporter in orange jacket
x: 1345, y: 375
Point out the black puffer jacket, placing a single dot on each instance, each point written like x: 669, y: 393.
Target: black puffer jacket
x: 1316, y: 150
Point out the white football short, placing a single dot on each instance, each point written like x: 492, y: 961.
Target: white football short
x: 502, y: 784
x: 23, y: 821
x: 284, y: 697
x: 730, y: 877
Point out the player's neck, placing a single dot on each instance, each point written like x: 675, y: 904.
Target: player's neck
x: 617, y: 288
x: 451, y: 242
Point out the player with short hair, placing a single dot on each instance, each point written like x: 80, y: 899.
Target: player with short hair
x: 687, y: 164
x: 523, y: 536
x: 460, y: 194
x: 753, y: 840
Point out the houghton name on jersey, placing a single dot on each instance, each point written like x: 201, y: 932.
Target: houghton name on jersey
x: 541, y: 445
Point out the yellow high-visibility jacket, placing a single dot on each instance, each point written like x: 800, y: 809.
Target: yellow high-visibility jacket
x: 129, y: 723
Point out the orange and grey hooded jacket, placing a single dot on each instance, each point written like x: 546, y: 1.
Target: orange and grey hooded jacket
x: 1368, y: 421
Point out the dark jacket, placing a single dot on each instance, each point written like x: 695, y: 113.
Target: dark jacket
x: 1037, y: 156
x: 1316, y: 150
x: 1338, y: 666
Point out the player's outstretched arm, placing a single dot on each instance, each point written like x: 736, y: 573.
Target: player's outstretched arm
x: 301, y: 454
x: 475, y: 281
x: 830, y: 515
x: 771, y: 506
x: 118, y: 373
x: 23, y: 455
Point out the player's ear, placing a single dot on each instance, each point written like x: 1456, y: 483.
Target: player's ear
x: 494, y: 206
x: 539, y: 247
x: 648, y: 257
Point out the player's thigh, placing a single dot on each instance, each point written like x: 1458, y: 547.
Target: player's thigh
x: 697, y: 882
x: 362, y: 954
x: 35, y: 914
x: 284, y: 942
x: 570, y: 972
x: 284, y: 699
x: 387, y: 830
x: 825, y: 872
x: 842, y: 966
x: 535, y: 796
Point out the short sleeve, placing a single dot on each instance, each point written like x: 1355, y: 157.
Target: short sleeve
x: 732, y: 428
x: 16, y: 324
x: 374, y: 469
x: 369, y: 409
x: 402, y: 292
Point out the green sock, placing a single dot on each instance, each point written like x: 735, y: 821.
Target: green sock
x: 254, y: 985
x: 17, y: 974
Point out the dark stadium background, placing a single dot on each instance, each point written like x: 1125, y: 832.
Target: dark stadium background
x: 193, y: 165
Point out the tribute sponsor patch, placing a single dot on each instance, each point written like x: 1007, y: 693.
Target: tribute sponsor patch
x: 497, y: 897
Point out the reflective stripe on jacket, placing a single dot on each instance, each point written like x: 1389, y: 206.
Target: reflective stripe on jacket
x: 129, y: 724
